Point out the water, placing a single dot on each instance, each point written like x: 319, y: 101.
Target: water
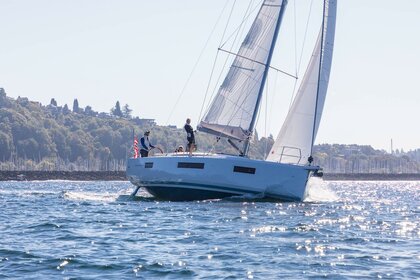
x: 87, y: 230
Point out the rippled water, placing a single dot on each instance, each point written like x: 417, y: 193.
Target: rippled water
x: 64, y: 229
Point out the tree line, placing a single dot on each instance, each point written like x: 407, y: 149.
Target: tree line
x: 53, y: 137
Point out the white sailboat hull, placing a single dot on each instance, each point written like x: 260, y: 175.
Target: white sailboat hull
x: 178, y: 177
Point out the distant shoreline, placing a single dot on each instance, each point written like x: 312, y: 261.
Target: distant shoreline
x: 62, y: 175
x: 120, y: 176
x: 371, y: 177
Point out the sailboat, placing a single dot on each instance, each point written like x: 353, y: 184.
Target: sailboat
x: 232, y: 115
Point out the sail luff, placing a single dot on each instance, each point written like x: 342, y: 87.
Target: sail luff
x: 325, y: 64
x: 319, y: 76
x: 264, y: 78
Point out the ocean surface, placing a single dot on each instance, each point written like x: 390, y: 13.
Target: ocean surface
x: 90, y: 230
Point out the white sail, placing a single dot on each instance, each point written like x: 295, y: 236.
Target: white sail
x: 297, y: 135
x: 232, y: 109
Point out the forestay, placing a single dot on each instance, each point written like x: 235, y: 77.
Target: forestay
x: 297, y: 135
x: 231, y: 112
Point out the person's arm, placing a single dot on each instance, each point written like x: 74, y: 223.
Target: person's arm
x: 150, y: 144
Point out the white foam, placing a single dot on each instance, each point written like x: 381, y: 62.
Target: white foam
x: 91, y: 196
x: 318, y: 191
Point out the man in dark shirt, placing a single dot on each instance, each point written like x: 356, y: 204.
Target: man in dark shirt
x: 145, y: 145
x: 190, y: 136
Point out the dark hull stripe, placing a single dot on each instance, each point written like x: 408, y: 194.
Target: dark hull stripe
x: 200, y: 186
x: 180, y: 191
x: 185, y: 194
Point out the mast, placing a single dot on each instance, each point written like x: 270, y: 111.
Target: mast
x: 267, y: 67
x: 319, y: 79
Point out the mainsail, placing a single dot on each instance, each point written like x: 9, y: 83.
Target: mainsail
x: 234, y: 107
x: 297, y: 135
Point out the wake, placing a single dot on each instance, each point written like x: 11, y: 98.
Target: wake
x: 318, y: 191
x: 91, y: 196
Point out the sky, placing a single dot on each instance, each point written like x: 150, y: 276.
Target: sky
x: 157, y: 57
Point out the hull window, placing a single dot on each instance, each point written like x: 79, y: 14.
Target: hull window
x: 195, y: 165
x: 243, y: 169
x: 148, y: 165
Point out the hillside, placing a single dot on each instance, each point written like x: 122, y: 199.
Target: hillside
x: 52, y: 137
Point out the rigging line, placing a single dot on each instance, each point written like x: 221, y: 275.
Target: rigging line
x: 196, y: 63
x: 265, y: 96
x: 301, y: 53
x: 272, y: 103
x: 214, y: 63
x: 258, y: 62
x: 247, y: 15
x: 208, y: 86
x: 293, y: 93
x: 259, y: 111
x: 238, y: 106
x: 271, y: 115
x: 306, y: 32
x: 265, y: 73
x: 227, y: 58
x: 265, y: 122
x: 295, y: 27
x: 237, y: 88
x: 321, y: 55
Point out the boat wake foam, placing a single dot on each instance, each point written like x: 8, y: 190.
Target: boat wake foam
x: 318, y: 191
x: 91, y: 196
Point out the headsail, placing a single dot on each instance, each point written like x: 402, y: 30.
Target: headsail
x: 297, y: 135
x: 232, y: 110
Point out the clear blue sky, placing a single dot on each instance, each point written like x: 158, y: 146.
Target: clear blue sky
x: 142, y: 52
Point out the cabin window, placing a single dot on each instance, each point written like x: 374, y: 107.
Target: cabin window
x: 194, y: 165
x: 148, y: 165
x: 243, y: 169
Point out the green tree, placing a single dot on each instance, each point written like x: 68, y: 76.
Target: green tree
x: 76, y: 108
x: 66, y: 109
x: 127, y: 111
x: 89, y: 111
x: 6, y: 146
x: 28, y: 148
x: 2, y: 94
x: 58, y: 135
x: 116, y: 111
x: 81, y: 145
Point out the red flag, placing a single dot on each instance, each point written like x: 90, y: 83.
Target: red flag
x: 136, y: 147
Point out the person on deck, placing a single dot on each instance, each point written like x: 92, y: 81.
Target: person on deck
x: 190, y: 136
x: 145, y: 144
x: 180, y: 149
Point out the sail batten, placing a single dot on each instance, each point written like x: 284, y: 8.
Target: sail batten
x: 232, y: 111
